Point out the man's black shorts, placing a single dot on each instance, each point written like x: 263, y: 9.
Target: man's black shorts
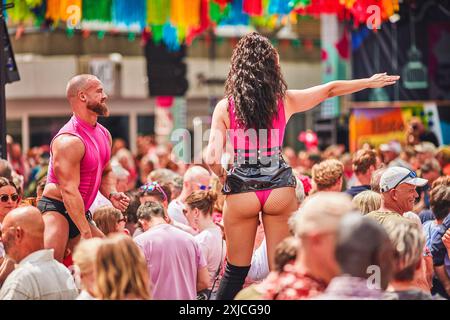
x: 47, y: 204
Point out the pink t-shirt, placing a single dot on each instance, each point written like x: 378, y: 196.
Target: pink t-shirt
x: 173, y: 260
x: 96, y: 156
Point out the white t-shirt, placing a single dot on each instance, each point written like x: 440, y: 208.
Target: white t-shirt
x: 213, y: 248
x: 175, y: 211
x: 99, y: 201
x: 259, y: 268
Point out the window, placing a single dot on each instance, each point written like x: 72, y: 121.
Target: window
x: 118, y: 126
x: 43, y: 129
x: 14, y: 129
x: 146, y: 125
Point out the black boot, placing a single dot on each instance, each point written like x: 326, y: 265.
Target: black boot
x: 232, y: 282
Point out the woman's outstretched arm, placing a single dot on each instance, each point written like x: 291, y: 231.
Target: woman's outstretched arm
x: 303, y: 100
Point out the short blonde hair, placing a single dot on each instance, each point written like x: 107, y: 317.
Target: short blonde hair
x: 367, y: 201
x: 121, y: 270
x: 327, y: 173
x: 408, y: 241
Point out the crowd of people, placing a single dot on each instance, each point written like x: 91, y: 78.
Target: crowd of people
x: 84, y: 218
x: 169, y: 242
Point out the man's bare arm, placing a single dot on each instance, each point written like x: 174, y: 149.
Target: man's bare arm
x: 108, y: 184
x: 108, y: 187
x: 68, y: 151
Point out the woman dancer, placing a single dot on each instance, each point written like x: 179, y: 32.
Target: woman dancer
x: 254, y: 115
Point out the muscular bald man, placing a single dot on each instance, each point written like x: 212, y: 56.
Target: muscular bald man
x: 79, y: 168
x: 37, y: 276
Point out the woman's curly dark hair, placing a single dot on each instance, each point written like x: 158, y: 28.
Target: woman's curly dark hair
x: 255, y: 82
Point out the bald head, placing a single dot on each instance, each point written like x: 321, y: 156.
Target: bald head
x: 87, y: 97
x: 29, y: 219
x: 23, y: 232
x: 80, y: 83
x: 194, y: 178
x: 196, y: 172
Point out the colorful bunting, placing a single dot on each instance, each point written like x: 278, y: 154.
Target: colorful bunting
x: 97, y: 10
x: 130, y: 14
x: 253, y: 7
x: 179, y: 21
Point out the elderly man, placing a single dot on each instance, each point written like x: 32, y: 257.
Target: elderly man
x: 398, y: 190
x: 38, y: 276
x: 195, y: 178
x: 315, y: 225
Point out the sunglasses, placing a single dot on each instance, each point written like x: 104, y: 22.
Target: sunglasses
x: 411, y: 174
x: 5, y: 197
x: 149, y: 187
x: 203, y: 187
x: 124, y: 219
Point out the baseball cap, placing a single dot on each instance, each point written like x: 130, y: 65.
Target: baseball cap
x: 394, y: 176
x: 393, y: 146
x: 321, y: 212
x: 425, y: 147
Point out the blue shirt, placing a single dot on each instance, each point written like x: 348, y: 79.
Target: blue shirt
x: 426, y: 215
x: 353, y: 191
x: 437, y: 248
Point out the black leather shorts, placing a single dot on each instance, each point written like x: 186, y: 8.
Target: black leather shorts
x: 256, y: 177
x: 47, y: 204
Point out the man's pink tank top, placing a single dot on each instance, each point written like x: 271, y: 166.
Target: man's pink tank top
x: 270, y: 138
x: 96, y: 157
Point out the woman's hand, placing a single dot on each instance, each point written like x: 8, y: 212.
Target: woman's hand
x: 381, y: 80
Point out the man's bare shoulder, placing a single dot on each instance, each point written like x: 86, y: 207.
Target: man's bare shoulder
x: 68, y: 144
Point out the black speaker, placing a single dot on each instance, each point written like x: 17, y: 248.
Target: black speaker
x: 166, y: 70
x: 12, y: 72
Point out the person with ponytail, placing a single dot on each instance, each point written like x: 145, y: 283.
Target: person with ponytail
x: 199, y: 213
x: 252, y: 118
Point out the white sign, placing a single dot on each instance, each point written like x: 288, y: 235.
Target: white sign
x: 104, y: 70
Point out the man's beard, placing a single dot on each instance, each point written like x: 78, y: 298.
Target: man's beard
x: 100, y: 108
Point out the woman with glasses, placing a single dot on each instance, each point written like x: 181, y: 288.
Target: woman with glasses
x: 252, y: 118
x: 9, y: 197
x: 110, y: 220
x: 9, y: 200
x: 199, y: 213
